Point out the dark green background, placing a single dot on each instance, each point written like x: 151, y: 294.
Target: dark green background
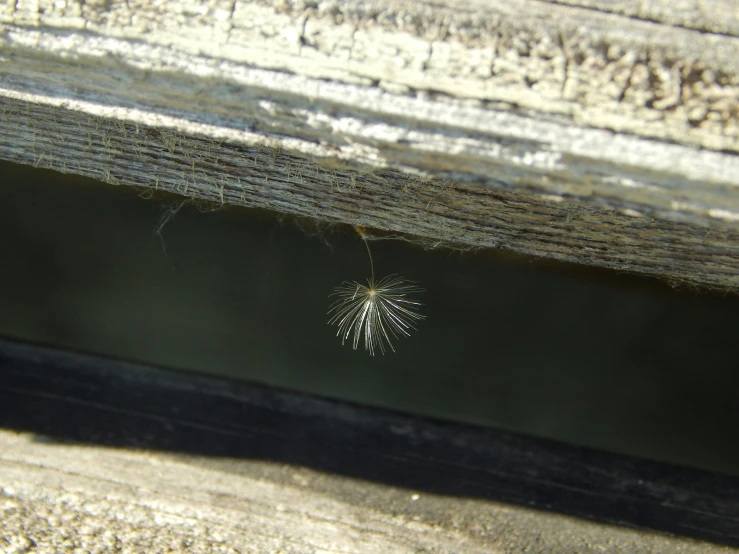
x: 575, y: 354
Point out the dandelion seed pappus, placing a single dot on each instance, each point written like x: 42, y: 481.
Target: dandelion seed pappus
x: 381, y: 311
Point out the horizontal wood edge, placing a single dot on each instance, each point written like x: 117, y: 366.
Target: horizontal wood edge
x: 228, y: 456
x: 432, y: 212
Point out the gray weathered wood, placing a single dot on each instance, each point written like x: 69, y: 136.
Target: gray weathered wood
x: 59, y: 497
x: 595, y: 132
x: 713, y: 16
x: 102, y: 455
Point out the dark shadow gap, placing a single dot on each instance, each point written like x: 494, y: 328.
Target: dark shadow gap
x: 565, y: 352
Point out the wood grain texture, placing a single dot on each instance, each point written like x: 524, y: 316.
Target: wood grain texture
x: 63, y: 498
x: 712, y: 16
x: 108, y: 456
x: 600, y: 135
x: 60, y: 497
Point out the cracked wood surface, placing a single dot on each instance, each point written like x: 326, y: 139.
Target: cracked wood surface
x: 598, y: 133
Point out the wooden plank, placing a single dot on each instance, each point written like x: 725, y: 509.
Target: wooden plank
x: 712, y: 16
x: 564, y: 131
x: 109, y: 453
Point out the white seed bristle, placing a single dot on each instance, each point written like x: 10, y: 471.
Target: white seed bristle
x: 381, y: 311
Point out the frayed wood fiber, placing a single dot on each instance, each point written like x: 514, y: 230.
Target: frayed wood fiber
x: 437, y: 213
x: 596, y: 133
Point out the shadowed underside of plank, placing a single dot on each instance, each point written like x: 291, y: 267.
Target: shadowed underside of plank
x: 557, y: 131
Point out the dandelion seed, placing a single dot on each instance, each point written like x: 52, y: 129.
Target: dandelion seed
x: 381, y: 311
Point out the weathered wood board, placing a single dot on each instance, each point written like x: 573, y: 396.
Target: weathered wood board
x: 66, y: 498
x: 102, y: 455
x: 594, y: 132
